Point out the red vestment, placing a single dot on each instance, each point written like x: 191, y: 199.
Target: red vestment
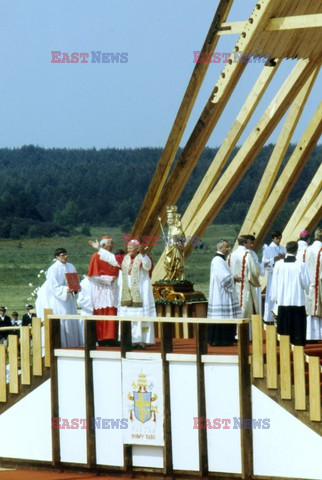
x: 105, y: 330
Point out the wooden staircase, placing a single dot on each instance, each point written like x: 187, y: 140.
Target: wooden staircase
x: 290, y: 375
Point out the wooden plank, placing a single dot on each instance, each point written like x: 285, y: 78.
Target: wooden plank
x: 3, y: 384
x: 47, y: 311
x: 181, y: 120
x: 90, y: 344
x: 299, y: 377
x: 251, y: 147
x: 294, y: 22
x: 13, y: 363
x: 25, y: 355
x: 245, y: 401
x: 201, y: 344
x: 271, y: 356
x: 166, y: 347
x: 36, y: 347
x: 257, y: 344
x: 315, y: 389
x: 285, y: 367
x: 222, y: 92
x: 288, y: 177
x: 277, y: 156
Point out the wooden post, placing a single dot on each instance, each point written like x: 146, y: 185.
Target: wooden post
x: 3, y: 384
x: 90, y: 344
x: 201, y: 343
x: 299, y: 378
x: 166, y: 347
x: 258, y: 361
x: 178, y: 326
x: 54, y: 337
x: 185, y: 324
x: 285, y: 367
x: 245, y: 400
x: 47, y: 311
x: 13, y: 363
x: 25, y: 355
x: 126, y: 346
x: 315, y: 389
x: 271, y: 356
x: 36, y: 347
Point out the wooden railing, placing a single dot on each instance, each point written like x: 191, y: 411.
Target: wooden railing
x: 21, y: 356
x: 284, y: 366
x: 166, y: 326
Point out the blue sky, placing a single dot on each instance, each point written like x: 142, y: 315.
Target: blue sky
x: 119, y: 105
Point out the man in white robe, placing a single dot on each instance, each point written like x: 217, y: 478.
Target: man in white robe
x: 136, y: 294
x: 271, y: 256
x: 290, y: 282
x: 223, y: 300
x: 243, y: 265
x: 314, y: 301
x: 56, y: 294
x: 261, y: 271
x: 303, y: 243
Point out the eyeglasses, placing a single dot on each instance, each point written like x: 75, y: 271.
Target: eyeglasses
x: 63, y: 254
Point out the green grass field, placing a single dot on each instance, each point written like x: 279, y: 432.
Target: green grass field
x: 22, y: 260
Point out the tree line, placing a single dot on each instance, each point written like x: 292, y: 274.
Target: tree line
x: 46, y: 192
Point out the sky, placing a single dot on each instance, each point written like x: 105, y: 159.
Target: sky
x: 122, y: 105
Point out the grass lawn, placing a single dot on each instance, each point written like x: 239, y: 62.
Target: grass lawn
x: 22, y: 260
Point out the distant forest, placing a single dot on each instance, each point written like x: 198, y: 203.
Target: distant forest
x: 46, y: 192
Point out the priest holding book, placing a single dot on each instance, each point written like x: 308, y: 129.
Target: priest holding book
x: 58, y: 295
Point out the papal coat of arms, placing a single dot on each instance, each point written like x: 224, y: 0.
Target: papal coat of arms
x: 142, y: 398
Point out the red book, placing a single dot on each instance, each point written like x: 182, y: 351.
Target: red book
x: 72, y: 280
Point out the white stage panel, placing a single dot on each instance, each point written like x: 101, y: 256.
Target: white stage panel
x: 107, y: 378
x: 222, y: 402
x: 71, y: 401
x: 183, y: 399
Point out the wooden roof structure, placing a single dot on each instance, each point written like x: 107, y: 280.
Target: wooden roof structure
x: 288, y: 29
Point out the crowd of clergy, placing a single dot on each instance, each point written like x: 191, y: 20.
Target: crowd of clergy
x: 120, y: 284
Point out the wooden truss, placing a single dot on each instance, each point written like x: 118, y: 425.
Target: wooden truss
x: 291, y: 29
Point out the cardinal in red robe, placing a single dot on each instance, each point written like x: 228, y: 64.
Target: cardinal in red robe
x: 104, y: 294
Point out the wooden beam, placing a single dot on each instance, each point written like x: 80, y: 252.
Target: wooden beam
x: 289, y: 176
x: 277, y: 156
x: 181, y: 119
x: 311, y: 218
x: 208, y: 119
x: 246, y: 154
x: 229, y: 142
x: 307, y: 200
x: 276, y: 24
x: 294, y: 22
